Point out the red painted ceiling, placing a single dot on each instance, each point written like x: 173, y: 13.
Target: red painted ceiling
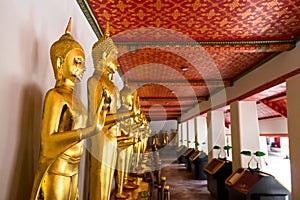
x: 217, y: 42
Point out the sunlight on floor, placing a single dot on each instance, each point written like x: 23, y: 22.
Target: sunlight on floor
x: 279, y: 167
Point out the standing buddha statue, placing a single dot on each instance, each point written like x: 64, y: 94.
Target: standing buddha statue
x: 64, y: 124
x: 103, y: 150
x: 125, y: 142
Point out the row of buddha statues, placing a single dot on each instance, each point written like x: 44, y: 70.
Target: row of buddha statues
x: 163, y: 139
x: 114, y: 136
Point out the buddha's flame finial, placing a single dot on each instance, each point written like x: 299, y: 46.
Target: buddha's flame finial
x: 107, y: 29
x: 68, y: 29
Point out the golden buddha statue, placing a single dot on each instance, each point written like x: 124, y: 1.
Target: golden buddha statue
x: 145, y: 136
x: 64, y: 124
x: 125, y: 142
x: 139, y: 146
x: 155, y: 142
x: 166, y: 138
x: 129, y: 127
x: 103, y: 152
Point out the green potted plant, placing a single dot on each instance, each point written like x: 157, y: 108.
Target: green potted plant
x: 197, y: 144
x: 253, y: 156
x: 222, y: 151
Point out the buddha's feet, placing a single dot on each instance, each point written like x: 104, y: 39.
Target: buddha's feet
x: 122, y: 196
x: 130, y: 186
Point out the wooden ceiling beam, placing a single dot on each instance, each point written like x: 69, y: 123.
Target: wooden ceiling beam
x: 277, y: 97
x: 201, y: 83
x: 160, y: 119
x: 164, y: 111
x: 163, y: 115
x: 165, y: 107
x: 168, y: 112
x: 249, y: 46
x: 153, y: 98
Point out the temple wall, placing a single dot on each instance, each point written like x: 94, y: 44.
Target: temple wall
x: 28, y: 29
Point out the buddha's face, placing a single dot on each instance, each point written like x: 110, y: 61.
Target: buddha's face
x: 111, y: 60
x: 127, y: 101
x: 74, y: 65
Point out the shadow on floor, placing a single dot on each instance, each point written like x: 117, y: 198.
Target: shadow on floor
x: 182, y: 183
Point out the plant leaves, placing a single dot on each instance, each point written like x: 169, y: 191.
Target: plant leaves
x: 246, y: 153
x: 259, y: 153
x: 227, y: 147
x: 197, y: 143
x: 216, y: 147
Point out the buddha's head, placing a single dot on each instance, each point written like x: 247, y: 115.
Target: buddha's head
x: 104, y: 52
x: 127, y: 96
x: 66, y: 50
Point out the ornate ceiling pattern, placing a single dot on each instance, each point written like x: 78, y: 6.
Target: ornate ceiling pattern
x: 201, y: 63
x: 203, y: 20
x: 177, y: 53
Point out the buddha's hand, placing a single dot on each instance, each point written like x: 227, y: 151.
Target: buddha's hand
x: 133, y: 113
x: 101, y: 114
x: 139, y: 119
x: 135, y: 104
x: 107, y: 98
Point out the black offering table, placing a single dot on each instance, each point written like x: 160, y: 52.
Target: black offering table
x: 218, y: 170
x: 249, y: 184
x: 186, y: 156
x: 199, y: 160
x: 179, y: 151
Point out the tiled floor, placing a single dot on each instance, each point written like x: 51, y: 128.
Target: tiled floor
x: 279, y: 167
x: 182, y: 184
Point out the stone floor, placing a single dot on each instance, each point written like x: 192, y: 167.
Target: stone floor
x: 182, y: 184
x: 181, y: 181
x: 280, y: 168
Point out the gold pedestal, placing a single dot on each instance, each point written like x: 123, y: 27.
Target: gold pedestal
x: 140, y: 192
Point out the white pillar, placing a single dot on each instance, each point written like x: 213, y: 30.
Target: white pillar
x: 244, y: 132
x: 293, y: 111
x: 216, y: 132
x: 184, y: 133
x: 202, y: 132
x: 196, y: 133
x: 187, y: 134
x: 191, y: 133
x: 179, y: 135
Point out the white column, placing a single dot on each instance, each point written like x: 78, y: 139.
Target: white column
x: 244, y: 132
x: 202, y: 132
x: 187, y: 134
x: 179, y: 135
x: 191, y: 133
x: 196, y: 133
x: 216, y: 132
x: 293, y: 111
x: 184, y: 133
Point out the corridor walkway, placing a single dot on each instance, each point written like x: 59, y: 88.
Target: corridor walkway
x: 182, y: 184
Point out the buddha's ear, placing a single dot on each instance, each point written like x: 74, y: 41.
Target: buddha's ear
x: 59, y: 62
x: 104, y: 55
x: 123, y: 99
